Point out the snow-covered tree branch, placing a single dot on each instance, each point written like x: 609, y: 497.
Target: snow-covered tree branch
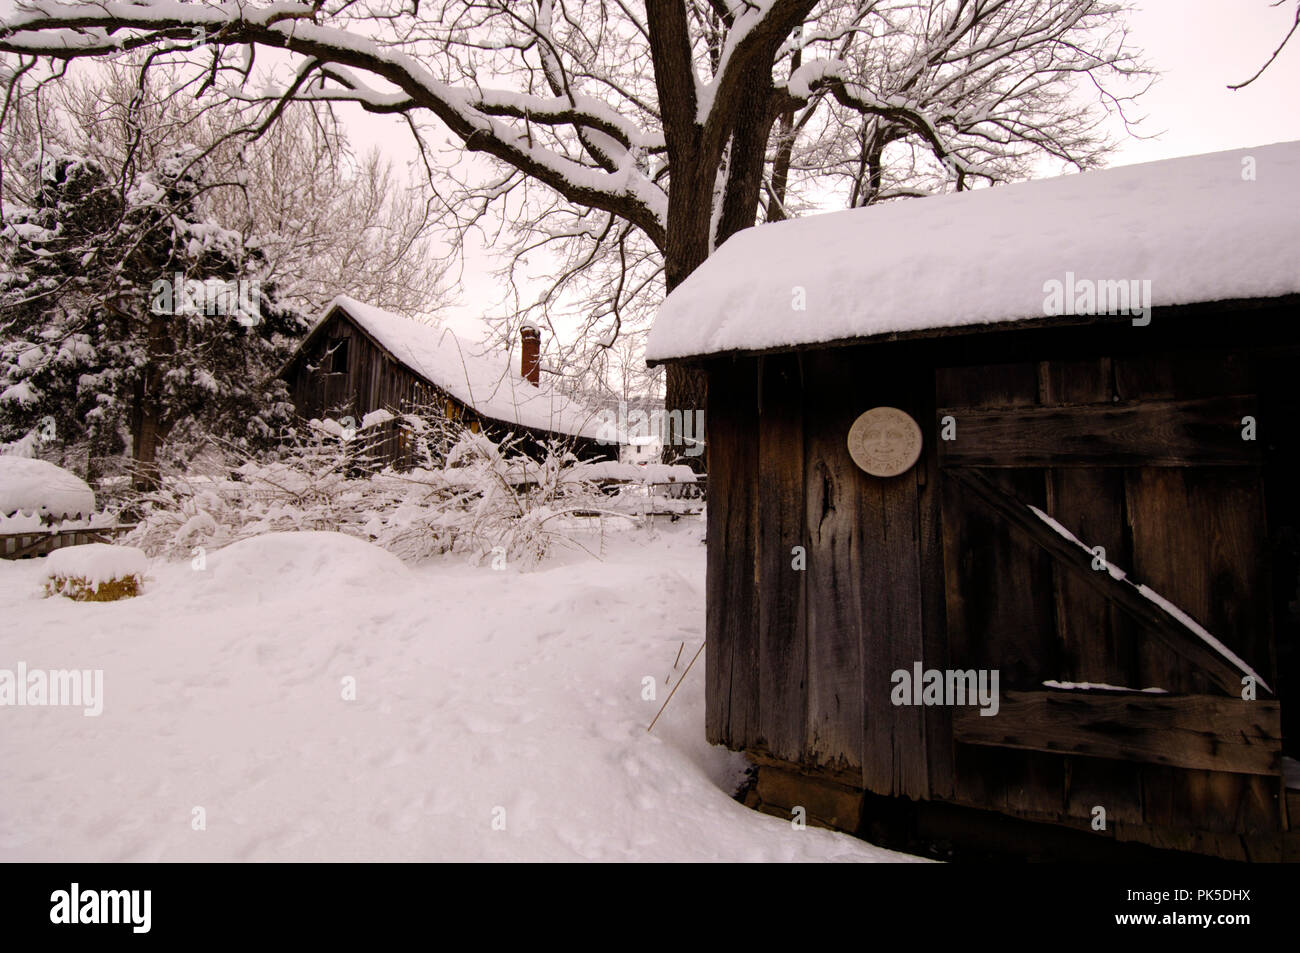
x: 654, y: 134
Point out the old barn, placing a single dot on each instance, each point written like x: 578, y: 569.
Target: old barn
x: 359, y: 359
x: 1003, y: 519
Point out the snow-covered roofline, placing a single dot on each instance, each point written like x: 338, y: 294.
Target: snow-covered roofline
x: 487, y: 385
x: 1218, y: 227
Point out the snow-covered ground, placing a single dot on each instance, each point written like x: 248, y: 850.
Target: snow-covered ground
x: 498, y: 714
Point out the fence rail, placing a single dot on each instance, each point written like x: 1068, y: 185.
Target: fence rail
x: 41, y: 542
x: 673, y: 498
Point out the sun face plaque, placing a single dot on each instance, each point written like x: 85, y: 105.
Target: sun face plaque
x: 885, y: 441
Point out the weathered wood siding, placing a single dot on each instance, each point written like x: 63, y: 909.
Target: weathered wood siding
x: 371, y: 379
x: 1129, y: 437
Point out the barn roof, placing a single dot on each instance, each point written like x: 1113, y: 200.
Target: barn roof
x: 487, y: 384
x: 1216, y: 227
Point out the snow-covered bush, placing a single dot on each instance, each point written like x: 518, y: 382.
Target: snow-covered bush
x: 470, y: 494
x: 96, y: 572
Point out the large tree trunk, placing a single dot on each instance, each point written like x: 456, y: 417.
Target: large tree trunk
x: 784, y: 154
x: 690, y: 205
x: 145, y: 443
x: 695, y: 154
x: 687, y: 387
x: 148, y: 429
x: 688, y: 391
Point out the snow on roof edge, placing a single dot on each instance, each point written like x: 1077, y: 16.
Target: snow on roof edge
x: 1222, y: 226
x: 489, y: 388
x: 1015, y: 323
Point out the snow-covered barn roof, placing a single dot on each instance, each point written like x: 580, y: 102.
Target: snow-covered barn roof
x: 488, y: 385
x: 1215, y: 227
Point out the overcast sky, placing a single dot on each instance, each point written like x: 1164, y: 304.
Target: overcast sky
x: 1199, y: 47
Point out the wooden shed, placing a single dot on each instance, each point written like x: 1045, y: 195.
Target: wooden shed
x: 984, y: 536
x: 358, y: 359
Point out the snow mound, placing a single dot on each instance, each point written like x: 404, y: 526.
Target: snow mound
x: 97, y: 563
x: 1202, y: 228
x: 39, y: 487
x: 297, y: 564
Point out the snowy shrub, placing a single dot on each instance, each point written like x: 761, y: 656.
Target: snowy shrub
x: 82, y: 589
x: 97, y: 572
x: 469, y: 493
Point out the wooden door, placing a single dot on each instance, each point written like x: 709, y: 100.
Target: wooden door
x: 1103, y: 523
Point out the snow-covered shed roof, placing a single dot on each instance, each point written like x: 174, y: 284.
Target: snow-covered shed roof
x: 487, y: 384
x: 1215, y: 227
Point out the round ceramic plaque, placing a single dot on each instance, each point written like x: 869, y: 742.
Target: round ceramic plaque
x: 885, y: 441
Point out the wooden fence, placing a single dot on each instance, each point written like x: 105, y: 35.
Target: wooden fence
x: 674, y: 498
x: 41, y: 542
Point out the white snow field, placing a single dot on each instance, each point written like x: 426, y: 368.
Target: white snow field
x: 481, y: 696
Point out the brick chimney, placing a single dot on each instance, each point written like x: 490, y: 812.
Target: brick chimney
x: 530, y: 358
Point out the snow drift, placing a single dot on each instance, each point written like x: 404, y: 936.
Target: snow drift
x: 307, y: 565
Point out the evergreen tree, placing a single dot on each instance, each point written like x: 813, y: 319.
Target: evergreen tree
x: 126, y: 312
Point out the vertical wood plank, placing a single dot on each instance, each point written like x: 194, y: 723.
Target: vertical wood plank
x: 894, y: 752
x: 834, y: 598
x: 934, y: 624
x: 731, y: 656
x: 1198, y: 538
x: 1098, y: 641
x: 894, y: 757
x: 1000, y: 607
x: 782, y: 645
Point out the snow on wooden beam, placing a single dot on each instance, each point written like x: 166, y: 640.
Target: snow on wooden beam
x: 1223, y: 667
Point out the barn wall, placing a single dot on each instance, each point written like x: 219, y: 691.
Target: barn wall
x: 911, y: 569
x: 373, y: 380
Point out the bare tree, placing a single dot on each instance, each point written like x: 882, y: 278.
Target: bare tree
x: 630, y: 142
x: 326, y: 219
